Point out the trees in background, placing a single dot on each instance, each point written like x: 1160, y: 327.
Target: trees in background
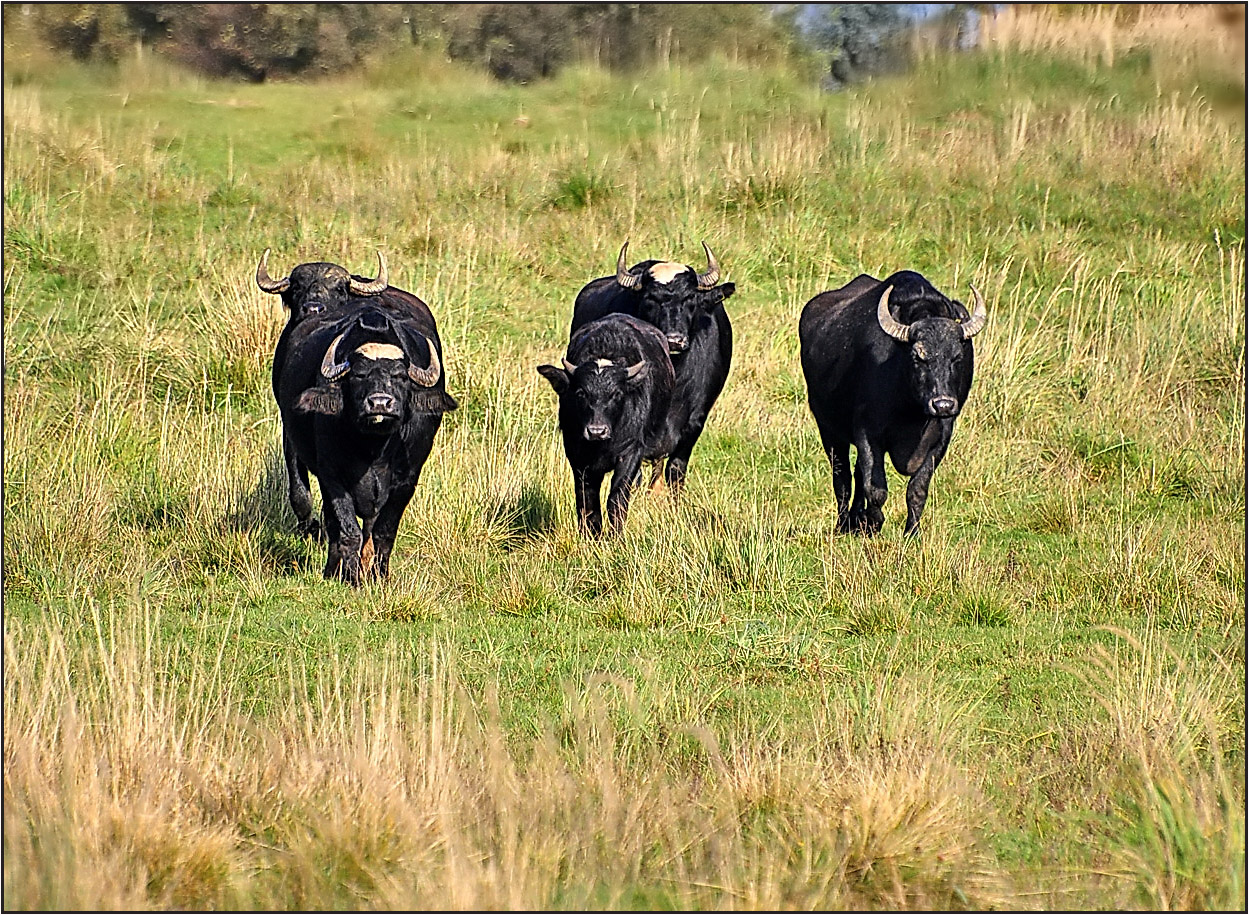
x: 859, y: 39
x: 515, y: 42
x: 253, y: 41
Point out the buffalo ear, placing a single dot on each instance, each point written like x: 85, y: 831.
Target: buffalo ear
x: 557, y: 376
x: 429, y: 400
x: 718, y: 294
x: 327, y: 400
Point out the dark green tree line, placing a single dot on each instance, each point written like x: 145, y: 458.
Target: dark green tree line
x: 515, y: 42
x: 518, y: 42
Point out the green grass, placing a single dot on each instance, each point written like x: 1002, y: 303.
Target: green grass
x: 1040, y: 704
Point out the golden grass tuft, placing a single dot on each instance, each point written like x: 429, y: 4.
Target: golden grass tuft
x: 151, y: 790
x: 1180, y: 808
x: 1181, y: 35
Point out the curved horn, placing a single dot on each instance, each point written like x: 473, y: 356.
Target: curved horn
x: 428, y: 376
x: 623, y: 276
x: 263, y: 280
x: 712, y: 276
x: 331, y: 370
x: 568, y: 366
x: 896, y: 329
x: 979, y: 315
x: 372, y: 287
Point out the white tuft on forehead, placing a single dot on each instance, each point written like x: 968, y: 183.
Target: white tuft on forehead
x: 667, y: 272
x: 380, y: 351
x: 604, y: 363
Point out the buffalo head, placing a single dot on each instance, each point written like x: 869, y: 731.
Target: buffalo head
x: 377, y: 375
x: 938, y: 346
x: 593, y: 394
x: 318, y: 287
x: 673, y: 297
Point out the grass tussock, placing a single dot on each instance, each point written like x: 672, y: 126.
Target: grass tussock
x: 1180, y: 809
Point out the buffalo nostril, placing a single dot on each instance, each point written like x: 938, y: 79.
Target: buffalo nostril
x: 943, y: 406
x: 677, y: 343
x: 597, y: 432
x: 380, y: 403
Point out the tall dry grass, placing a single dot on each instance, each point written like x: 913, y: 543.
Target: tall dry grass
x: 1182, y: 813
x: 1180, y: 36
x: 385, y: 785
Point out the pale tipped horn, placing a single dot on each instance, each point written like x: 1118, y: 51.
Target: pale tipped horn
x: 623, y: 276
x: 372, y: 287
x: 428, y: 376
x: 568, y: 366
x: 975, y: 324
x: 331, y: 370
x: 896, y: 329
x: 712, y: 276
x: 264, y: 281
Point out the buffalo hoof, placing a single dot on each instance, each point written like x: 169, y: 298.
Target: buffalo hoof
x: 310, y: 527
x: 863, y: 525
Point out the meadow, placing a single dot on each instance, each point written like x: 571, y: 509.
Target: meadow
x: 1038, y: 704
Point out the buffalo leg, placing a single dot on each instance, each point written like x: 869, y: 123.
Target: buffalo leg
x: 625, y: 476
x: 586, y: 487
x: 917, y: 495
x: 298, y: 491
x: 674, y: 471
x: 386, y: 528
x: 870, y: 490
x: 917, y: 486
x: 839, y: 459
x: 345, y: 536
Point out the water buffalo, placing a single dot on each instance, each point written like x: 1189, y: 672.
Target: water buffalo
x: 688, y: 309
x: 310, y: 290
x: 615, y: 388
x: 361, y: 392
x: 888, y: 366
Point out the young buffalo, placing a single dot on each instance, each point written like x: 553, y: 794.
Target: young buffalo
x: 615, y: 388
x: 688, y: 309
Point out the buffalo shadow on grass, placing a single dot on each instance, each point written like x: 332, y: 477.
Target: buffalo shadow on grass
x: 263, y: 511
x: 520, y: 517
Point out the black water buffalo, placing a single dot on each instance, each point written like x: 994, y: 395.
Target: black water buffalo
x: 310, y: 290
x: 688, y: 309
x: 888, y: 365
x: 615, y: 389
x: 361, y: 392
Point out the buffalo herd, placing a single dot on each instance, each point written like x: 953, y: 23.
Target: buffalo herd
x: 360, y: 387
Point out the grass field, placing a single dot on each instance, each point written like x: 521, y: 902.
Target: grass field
x: 1038, y: 705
